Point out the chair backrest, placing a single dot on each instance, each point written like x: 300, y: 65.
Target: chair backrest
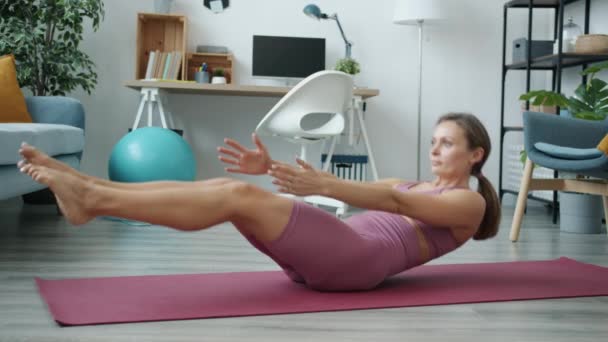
x: 324, y: 92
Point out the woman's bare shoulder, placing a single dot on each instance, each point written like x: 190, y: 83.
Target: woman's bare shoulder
x: 466, y: 195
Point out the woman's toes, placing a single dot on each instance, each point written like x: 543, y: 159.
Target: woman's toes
x: 31, y: 169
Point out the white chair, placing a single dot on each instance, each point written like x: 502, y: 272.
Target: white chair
x: 325, y: 92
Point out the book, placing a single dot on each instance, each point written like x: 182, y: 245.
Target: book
x: 161, y: 65
x: 159, y: 56
x: 167, y: 65
x: 150, y: 66
x: 178, y: 63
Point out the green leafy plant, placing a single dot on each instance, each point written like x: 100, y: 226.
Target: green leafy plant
x: 523, y: 155
x: 218, y: 72
x: 590, y: 100
x: 348, y: 65
x: 44, y: 36
x: 545, y: 98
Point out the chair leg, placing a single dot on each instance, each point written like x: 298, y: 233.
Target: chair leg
x: 303, y: 152
x: 330, y: 154
x: 521, y: 200
x: 605, y: 200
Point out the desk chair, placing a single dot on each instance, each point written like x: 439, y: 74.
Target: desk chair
x: 563, y: 144
x: 325, y: 92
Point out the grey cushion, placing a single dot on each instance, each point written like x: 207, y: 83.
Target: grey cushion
x: 53, y: 139
x: 564, y: 152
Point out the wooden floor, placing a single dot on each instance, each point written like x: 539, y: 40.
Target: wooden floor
x: 36, y: 242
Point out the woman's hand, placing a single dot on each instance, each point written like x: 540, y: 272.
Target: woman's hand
x: 299, y: 181
x: 248, y: 161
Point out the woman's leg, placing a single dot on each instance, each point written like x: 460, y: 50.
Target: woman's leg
x: 183, y: 207
x: 33, y: 156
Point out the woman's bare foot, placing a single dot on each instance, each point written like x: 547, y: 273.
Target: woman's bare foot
x: 73, y: 194
x: 34, y: 156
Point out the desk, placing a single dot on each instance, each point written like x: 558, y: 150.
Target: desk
x: 151, y: 89
x: 228, y: 89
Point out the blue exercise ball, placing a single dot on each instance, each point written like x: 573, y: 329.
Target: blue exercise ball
x: 151, y: 154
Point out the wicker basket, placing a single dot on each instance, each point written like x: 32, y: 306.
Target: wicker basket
x: 592, y: 43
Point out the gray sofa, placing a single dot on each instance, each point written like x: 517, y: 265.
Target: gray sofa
x: 58, y: 130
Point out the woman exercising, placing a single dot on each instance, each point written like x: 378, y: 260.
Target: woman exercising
x: 407, y: 223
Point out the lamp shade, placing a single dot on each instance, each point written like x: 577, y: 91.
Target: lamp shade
x: 313, y: 11
x: 409, y: 12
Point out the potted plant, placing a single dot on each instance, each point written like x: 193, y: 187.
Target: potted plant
x: 44, y: 36
x: 544, y: 101
x: 218, y: 76
x: 348, y: 65
x: 589, y: 102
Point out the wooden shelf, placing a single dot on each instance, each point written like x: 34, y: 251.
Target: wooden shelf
x: 213, y: 60
x: 537, y: 3
x: 163, y: 32
x: 549, y: 62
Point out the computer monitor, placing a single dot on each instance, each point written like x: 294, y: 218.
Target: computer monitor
x: 287, y: 57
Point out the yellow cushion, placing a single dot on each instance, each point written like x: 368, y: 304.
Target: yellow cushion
x: 603, y: 145
x: 12, y: 102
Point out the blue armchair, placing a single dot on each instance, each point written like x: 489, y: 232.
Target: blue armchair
x: 562, y: 144
x: 58, y: 129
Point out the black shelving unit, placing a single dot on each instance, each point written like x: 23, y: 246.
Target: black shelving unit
x: 554, y: 63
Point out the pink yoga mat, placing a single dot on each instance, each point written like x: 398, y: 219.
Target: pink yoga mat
x: 174, y: 297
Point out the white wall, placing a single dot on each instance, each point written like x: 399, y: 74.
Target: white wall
x: 462, y: 65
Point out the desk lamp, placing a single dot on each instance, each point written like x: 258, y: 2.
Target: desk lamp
x: 314, y: 11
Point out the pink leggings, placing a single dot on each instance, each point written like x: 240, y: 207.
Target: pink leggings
x: 327, y: 254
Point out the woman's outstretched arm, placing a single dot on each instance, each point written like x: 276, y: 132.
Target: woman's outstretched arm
x: 453, y: 208
x: 457, y: 207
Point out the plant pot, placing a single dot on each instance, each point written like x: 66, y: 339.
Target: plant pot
x: 538, y: 109
x: 218, y: 80
x: 580, y: 213
x: 201, y: 77
x: 544, y: 109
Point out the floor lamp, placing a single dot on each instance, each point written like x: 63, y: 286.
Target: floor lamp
x: 417, y: 12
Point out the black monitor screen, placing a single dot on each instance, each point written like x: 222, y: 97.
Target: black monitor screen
x: 287, y: 56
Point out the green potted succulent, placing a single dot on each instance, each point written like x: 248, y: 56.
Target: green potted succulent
x: 45, y: 36
x: 348, y: 65
x: 219, y: 76
x: 589, y: 102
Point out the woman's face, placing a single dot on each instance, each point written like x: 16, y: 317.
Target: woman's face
x: 449, y: 154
